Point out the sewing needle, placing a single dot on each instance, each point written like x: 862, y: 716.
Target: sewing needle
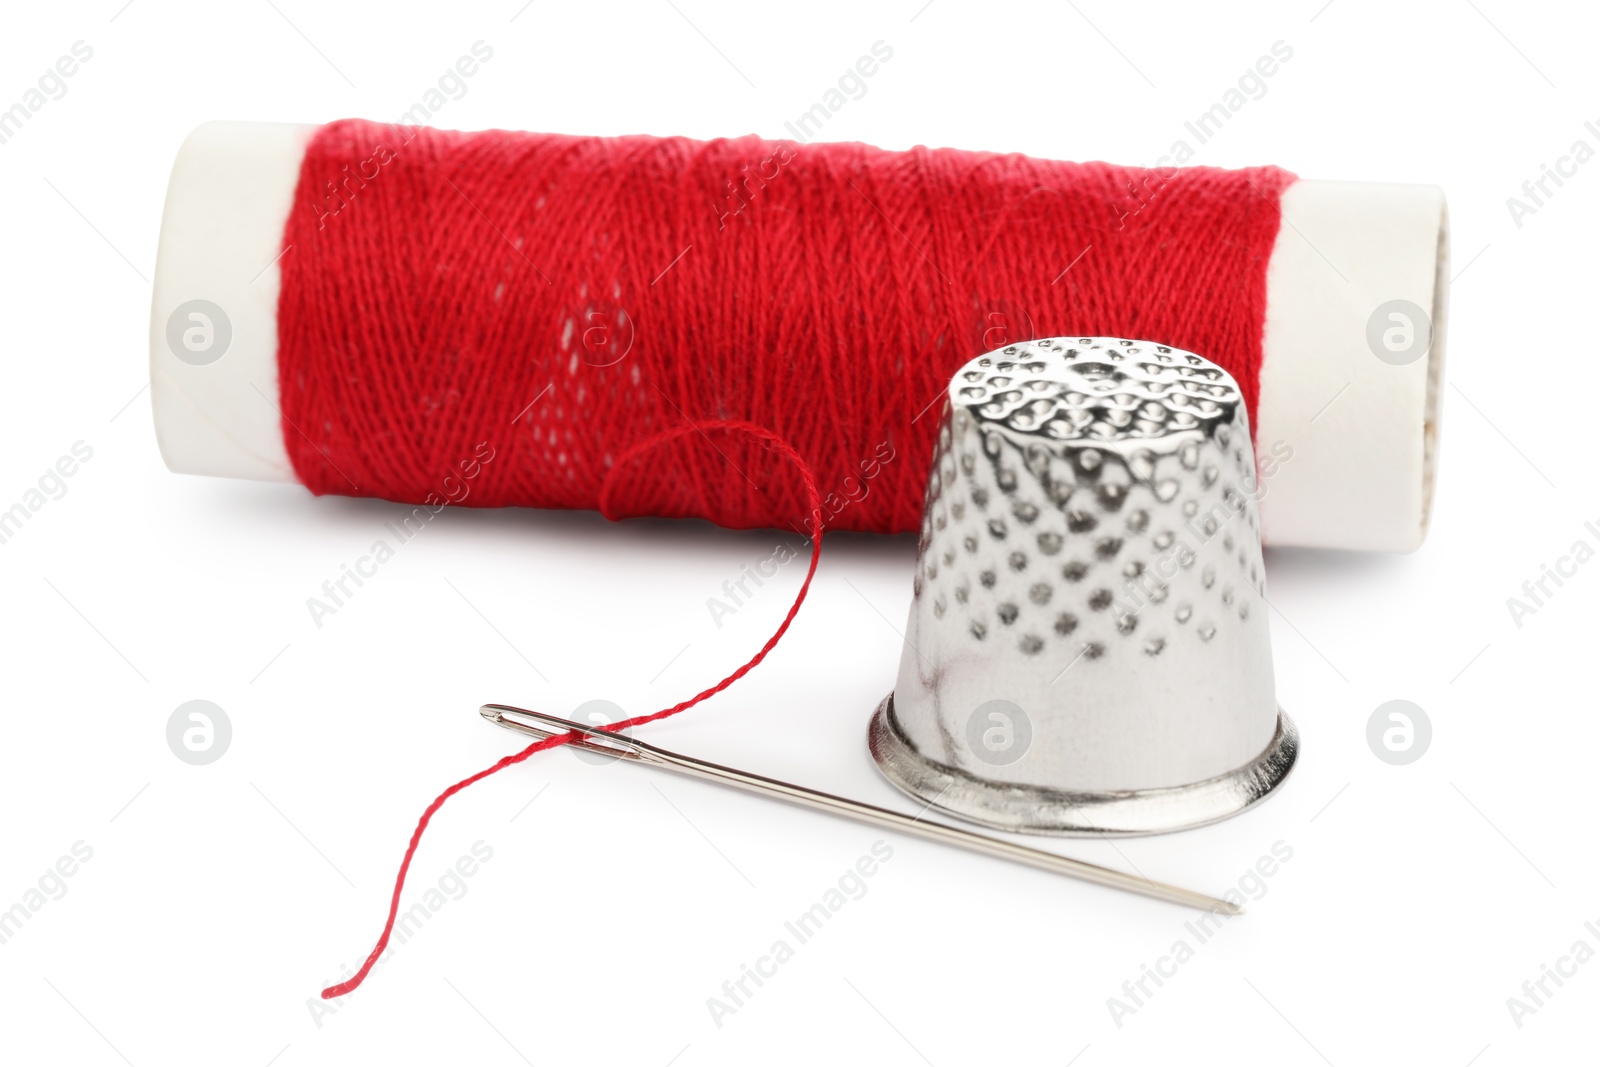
x: 628, y: 749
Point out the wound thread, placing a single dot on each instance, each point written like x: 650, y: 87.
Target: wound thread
x: 565, y: 298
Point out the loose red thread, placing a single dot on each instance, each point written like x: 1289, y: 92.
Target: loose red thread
x: 569, y: 297
x: 814, y: 510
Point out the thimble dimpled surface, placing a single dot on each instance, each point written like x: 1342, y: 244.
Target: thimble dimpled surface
x: 1091, y: 555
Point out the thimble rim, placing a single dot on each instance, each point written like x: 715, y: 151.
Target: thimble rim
x: 1065, y: 813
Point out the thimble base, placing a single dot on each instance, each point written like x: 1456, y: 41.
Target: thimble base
x: 1040, y: 810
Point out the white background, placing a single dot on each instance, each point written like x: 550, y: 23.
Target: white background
x: 219, y: 899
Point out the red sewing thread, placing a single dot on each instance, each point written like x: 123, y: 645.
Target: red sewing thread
x: 814, y: 510
x: 584, y: 303
x: 569, y: 297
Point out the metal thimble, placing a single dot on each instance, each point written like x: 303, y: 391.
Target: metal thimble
x: 1087, y: 650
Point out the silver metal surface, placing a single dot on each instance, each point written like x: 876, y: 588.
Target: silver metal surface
x: 601, y: 742
x: 1087, y: 649
x: 1036, y: 810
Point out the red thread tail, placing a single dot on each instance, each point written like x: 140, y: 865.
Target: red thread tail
x: 813, y: 499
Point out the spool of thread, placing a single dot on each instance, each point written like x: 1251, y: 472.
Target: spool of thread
x: 360, y: 307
